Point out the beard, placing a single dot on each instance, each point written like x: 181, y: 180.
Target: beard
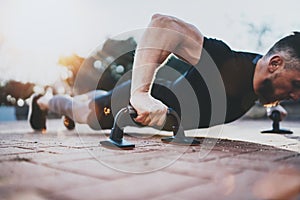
x: 266, y: 92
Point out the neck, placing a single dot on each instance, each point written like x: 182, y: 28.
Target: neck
x: 258, y: 74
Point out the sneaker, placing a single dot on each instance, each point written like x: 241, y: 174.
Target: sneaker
x: 37, y: 117
x: 69, y: 123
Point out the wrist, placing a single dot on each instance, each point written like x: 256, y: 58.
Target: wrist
x: 143, y: 89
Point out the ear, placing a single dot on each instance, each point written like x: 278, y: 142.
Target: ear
x: 275, y: 62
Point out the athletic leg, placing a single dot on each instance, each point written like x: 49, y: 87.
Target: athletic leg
x: 76, y: 108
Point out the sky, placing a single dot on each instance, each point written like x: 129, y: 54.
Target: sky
x: 35, y: 33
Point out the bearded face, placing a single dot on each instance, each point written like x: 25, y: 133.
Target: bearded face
x: 282, y: 85
x: 266, y: 92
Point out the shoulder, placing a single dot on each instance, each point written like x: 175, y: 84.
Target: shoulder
x: 212, y: 44
x: 218, y: 50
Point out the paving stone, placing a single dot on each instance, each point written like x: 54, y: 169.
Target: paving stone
x: 203, y: 170
x: 90, y: 167
x: 244, y: 185
x: 245, y: 163
x: 227, y: 186
x: 24, y: 169
x: 293, y: 160
x: 280, y: 183
x: 135, y: 187
x: 134, y: 156
x: 11, y: 192
x: 67, y: 165
x: 62, y: 150
x: 30, y: 176
x: 292, y: 147
x: 57, y: 181
x: 9, y: 143
x: 46, y: 157
x: 270, y: 155
x: 203, y: 156
x: 16, y: 150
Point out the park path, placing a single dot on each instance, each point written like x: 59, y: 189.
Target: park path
x: 61, y: 164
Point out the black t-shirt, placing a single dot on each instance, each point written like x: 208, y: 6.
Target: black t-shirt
x: 236, y: 70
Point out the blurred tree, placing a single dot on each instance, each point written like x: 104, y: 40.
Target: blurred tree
x: 16, y: 90
x: 73, y: 64
x: 106, y: 65
x: 116, y: 57
x: 103, y: 68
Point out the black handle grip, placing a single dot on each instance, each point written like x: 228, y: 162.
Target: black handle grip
x: 172, y: 120
x: 132, y: 112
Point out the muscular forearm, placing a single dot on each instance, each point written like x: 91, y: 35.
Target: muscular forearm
x: 165, y: 35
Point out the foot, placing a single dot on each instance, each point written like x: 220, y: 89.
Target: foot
x: 43, y: 101
x: 69, y: 123
x: 37, y: 116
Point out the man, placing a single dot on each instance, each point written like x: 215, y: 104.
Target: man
x: 246, y: 77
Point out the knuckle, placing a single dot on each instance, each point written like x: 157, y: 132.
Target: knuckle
x: 144, y: 113
x: 160, y: 123
x: 138, y: 120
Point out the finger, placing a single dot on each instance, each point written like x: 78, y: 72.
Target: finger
x: 162, y: 120
x: 154, y: 119
x: 146, y: 121
x: 141, y: 118
x: 153, y: 122
x: 160, y: 117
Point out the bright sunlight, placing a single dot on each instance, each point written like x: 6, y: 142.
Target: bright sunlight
x: 35, y: 33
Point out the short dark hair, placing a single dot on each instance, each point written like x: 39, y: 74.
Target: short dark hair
x: 291, y: 46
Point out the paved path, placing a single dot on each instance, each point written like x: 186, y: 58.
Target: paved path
x: 61, y: 164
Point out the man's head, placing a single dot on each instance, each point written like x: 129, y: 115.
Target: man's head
x: 277, y: 74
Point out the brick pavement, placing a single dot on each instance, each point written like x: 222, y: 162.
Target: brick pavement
x: 65, y: 164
